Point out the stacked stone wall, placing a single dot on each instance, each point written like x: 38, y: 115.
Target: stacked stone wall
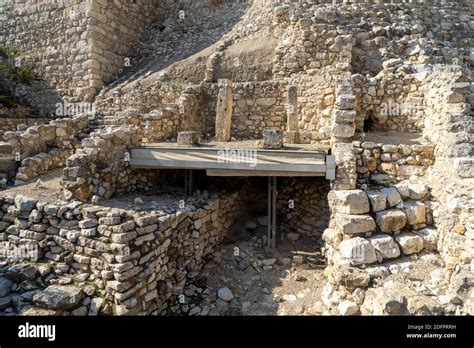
x: 380, y: 224
x: 450, y: 127
x: 304, y: 206
x: 384, y: 163
x: 60, y: 133
x: 99, y: 38
x: 14, y: 124
x: 101, y: 165
x: 114, y: 261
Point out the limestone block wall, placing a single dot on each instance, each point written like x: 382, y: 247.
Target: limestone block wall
x: 313, y: 43
x: 450, y: 127
x: 145, y: 96
x: 257, y: 107
x: 12, y: 124
x: 4, y: 8
x: 315, y: 102
x: 379, y: 224
x: 116, y: 27
x: 42, y: 163
x: 60, y: 133
x: 303, y: 204
x: 162, y: 125
x: 122, y: 261
x: 264, y: 105
x: 391, y: 100
x: 83, y: 45
x: 34, y: 27
x: 99, y: 167
x: 377, y: 162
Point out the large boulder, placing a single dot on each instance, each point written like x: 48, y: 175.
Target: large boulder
x: 393, y: 196
x: 378, y: 200
x: 412, y: 190
x: 358, y: 251
x: 415, y: 212
x: 59, y: 297
x: 25, y: 203
x: 22, y: 272
x: 410, y: 243
x: 391, y: 220
x: 385, y: 247
x: 354, y: 224
x: 5, y: 286
x: 348, y: 201
x: 430, y: 238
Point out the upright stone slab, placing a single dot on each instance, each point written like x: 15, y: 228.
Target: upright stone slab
x: 272, y: 139
x: 292, y: 122
x: 189, y: 138
x: 224, y: 111
x: 190, y: 104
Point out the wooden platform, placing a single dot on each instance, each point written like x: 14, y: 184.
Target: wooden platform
x: 235, y: 162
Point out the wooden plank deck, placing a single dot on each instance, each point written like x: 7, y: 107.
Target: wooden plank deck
x: 233, y: 162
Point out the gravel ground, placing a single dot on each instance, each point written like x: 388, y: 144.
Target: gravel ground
x: 262, y: 281
x: 48, y: 190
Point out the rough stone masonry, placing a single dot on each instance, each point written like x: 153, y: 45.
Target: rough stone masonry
x: 383, y: 86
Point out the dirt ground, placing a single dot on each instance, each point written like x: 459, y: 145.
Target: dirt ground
x: 47, y: 190
x: 284, y: 281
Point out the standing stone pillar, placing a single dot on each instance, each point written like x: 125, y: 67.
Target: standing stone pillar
x: 292, y: 124
x: 224, y: 111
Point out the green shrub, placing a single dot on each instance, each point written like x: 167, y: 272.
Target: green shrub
x: 17, y: 69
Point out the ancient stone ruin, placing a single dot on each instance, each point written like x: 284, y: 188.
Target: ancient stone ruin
x: 222, y: 157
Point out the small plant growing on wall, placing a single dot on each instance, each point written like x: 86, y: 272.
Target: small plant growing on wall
x: 284, y: 121
x: 17, y: 70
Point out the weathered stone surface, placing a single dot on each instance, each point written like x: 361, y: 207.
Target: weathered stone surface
x: 415, y: 212
x: 59, y: 297
x: 332, y: 237
x: 378, y: 200
x: 358, y: 251
x: 272, y: 139
x: 21, y: 272
x: 410, y: 243
x: 224, y: 111
x: 25, y: 203
x: 464, y: 167
x: 348, y: 276
x: 392, y: 220
x: 380, y: 179
x: 189, y: 138
x: 5, y: 302
x: 354, y: 224
x: 348, y: 308
x: 413, y: 190
x: 343, y: 130
x: 348, y: 201
x: 385, y: 247
x: 430, y: 238
x: 393, y: 196
x: 5, y: 286
x: 225, y: 294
